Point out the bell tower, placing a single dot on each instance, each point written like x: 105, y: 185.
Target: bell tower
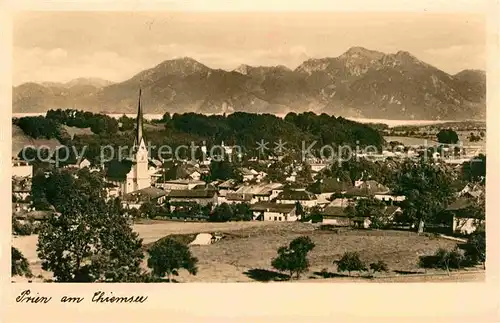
x: 139, y: 177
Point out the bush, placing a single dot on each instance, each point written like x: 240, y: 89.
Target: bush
x: 475, y: 248
x: 350, y: 261
x: 443, y: 259
x: 379, y: 266
x: 22, y: 229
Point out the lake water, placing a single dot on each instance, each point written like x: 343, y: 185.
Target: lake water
x: 389, y: 122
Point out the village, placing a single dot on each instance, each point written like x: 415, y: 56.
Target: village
x: 268, y: 200
x: 186, y: 197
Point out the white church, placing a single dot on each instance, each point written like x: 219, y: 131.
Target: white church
x: 137, y: 186
x: 139, y: 176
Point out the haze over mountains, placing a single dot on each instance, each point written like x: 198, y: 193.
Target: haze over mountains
x: 359, y: 83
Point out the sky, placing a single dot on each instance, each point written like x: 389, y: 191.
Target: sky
x: 61, y: 46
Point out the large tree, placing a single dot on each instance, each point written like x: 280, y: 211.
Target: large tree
x: 222, y: 213
x: 447, y: 136
x: 87, y: 239
x: 293, y: 258
x: 427, y: 188
x: 167, y: 256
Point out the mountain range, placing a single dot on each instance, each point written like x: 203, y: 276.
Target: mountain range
x: 359, y: 83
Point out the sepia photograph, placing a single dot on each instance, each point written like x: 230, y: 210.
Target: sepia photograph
x: 248, y: 147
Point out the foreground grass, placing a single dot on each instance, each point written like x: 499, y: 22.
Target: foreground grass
x: 245, y: 254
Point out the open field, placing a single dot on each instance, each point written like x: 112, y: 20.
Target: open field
x: 245, y: 254
x: 21, y: 140
x: 152, y: 230
x: 72, y: 131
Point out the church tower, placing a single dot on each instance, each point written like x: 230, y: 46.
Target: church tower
x: 138, y: 177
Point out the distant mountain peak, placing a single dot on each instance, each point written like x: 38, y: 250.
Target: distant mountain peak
x: 314, y: 64
x: 179, y: 61
x: 181, y: 66
x: 361, y: 51
x: 243, y: 69
x: 247, y: 69
x: 93, y: 81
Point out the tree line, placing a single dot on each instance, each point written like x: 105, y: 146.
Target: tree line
x: 242, y: 129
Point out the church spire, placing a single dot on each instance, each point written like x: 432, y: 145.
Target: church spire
x: 139, y: 127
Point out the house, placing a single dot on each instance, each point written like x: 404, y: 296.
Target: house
x: 21, y: 168
x: 262, y: 192
x: 335, y: 215
x: 371, y: 188
x: 472, y: 191
x: 343, y: 202
x: 229, y: 186
x: 205, y: 186
x: 148, y: 194
x: 463, y: 219
x: 248, y: 174
x: 292, y: 196
x: 269, y: 211
x: 201, y: 197
x: 184, y: 171
x: 178, y: 184
x: 329, y: 186
x: 235, y: 198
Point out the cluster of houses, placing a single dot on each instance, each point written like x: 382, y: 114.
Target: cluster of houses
x: 268, y: 201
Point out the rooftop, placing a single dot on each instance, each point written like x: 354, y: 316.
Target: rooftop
x: 296, y: 195
x: 272, y: 207
x: 239, y: 197
x: 330, y: 185
x: 181, y: 181
x: 261, y: 189
x: 145, y: 194
x: 459, y: 204
x: 230, y: 183
x: 368, y: 188
x: 191, y: 194
x: 334, y: 211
